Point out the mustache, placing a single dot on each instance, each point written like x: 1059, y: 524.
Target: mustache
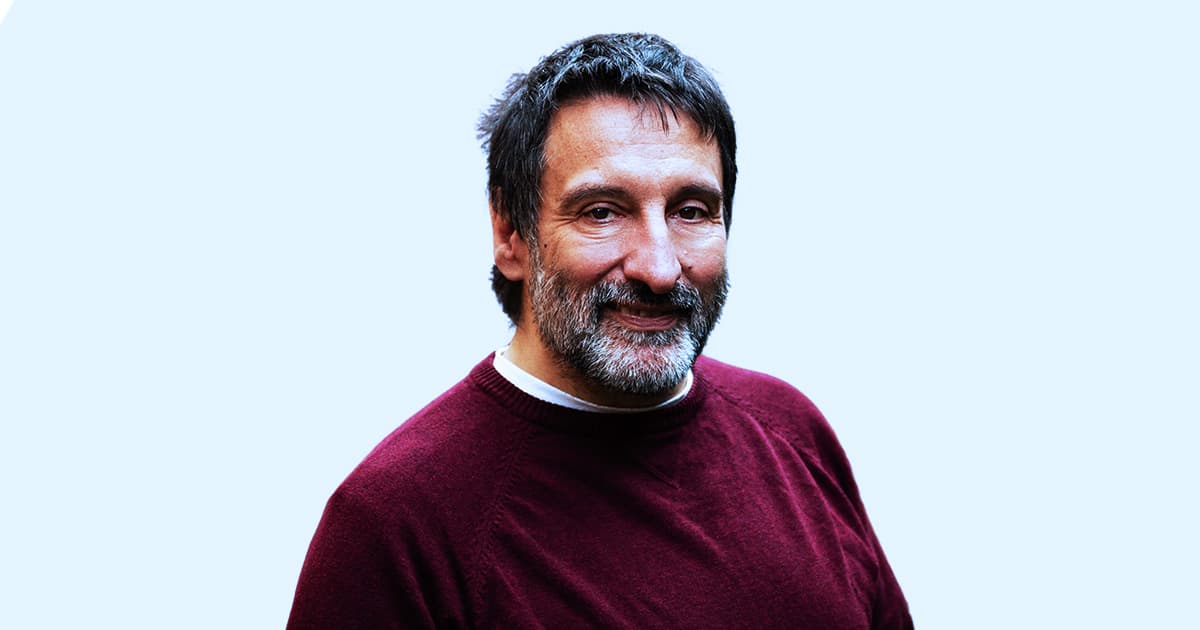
x: 682, y: 297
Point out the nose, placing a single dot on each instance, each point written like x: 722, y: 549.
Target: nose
x: 652, y: 257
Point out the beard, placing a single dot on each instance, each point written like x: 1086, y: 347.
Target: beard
x: 574, y: 325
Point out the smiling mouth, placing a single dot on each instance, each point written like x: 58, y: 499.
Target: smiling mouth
x: 645, y: 318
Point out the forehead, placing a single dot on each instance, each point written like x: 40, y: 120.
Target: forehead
x: 614, y: 133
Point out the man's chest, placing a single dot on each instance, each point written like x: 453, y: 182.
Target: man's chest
x: 636, y: 539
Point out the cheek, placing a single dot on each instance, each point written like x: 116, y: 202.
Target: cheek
x: 586, y: 261
x: 704, y: 261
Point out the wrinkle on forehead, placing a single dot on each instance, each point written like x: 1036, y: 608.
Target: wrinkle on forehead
x: 569, y: 129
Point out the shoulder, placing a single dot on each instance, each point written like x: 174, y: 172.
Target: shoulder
x: 446, y: 460
x: 397, y: 540
x: 736, y: 381
x: 773, y: 403
x: 756, y: 391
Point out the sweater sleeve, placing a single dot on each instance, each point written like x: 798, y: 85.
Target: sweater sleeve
x: 355, y: 575
x: 791, y: 413
x: 889, y: 609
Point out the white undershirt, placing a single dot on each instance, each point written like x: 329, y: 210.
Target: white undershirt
x: 546, y: 392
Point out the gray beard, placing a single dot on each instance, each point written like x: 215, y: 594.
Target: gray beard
x: 573, y: 325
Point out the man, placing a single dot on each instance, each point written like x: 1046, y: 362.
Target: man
x: 595, y: 472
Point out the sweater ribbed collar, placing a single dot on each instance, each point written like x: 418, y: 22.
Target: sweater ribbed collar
x: 563, y: 419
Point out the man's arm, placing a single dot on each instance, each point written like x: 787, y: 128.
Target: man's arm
x: 355, y: 574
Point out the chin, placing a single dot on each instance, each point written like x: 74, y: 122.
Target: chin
x: 644, y: 368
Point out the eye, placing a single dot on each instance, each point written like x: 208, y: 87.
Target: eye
x: 600, y: 213
x: 691, y: 213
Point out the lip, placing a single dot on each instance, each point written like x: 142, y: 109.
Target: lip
x: 644, y: 318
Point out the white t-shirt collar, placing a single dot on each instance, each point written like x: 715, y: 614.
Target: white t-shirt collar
x: 546, y: 392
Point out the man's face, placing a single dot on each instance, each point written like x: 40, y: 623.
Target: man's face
x: 628, y: 276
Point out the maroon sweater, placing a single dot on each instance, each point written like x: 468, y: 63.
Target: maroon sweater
x: 733, y: 508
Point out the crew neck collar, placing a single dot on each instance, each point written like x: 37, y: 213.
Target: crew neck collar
x: 542, y: 390
x: 569, y: 420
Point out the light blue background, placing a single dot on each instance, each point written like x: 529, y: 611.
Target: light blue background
x: 241, y: 241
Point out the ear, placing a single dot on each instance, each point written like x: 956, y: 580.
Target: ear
x: 511, y: 251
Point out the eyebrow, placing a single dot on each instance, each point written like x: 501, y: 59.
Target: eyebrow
x: 700, y: 191
x: 587, y: 192
x: 583, y: 193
